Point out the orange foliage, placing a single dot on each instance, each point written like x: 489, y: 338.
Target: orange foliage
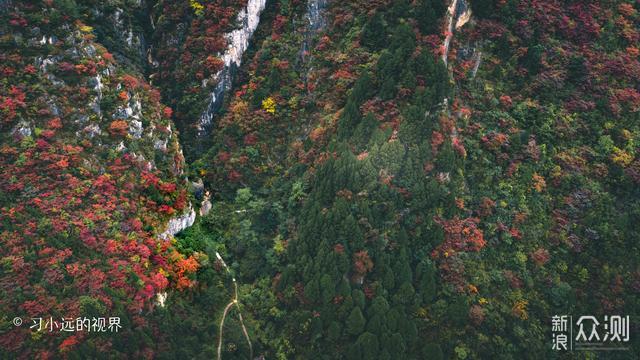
x: 123, y: 95
x: 459, y: 235
x: 118, y: 128
x: 538, y: 182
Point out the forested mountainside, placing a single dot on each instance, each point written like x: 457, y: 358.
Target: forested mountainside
x: 90, y: 173
x: 372, y: 179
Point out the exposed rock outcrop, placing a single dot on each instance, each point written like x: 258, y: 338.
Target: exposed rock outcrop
x: 232, y: 57
x: 179, y: 223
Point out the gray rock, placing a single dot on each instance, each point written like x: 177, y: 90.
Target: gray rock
x: 179, y: 223
x: 232, y: 57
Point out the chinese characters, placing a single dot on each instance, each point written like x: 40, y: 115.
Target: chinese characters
x: 80, y: 324
x: 608, y: 333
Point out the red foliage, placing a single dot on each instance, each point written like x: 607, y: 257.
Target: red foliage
x: 476, y: 314
x: 515, y: 233
x: 89, y: 219
x: 540, y: 256
x: 362, y: 263
x: 166, y: 209
x: 437, y: 139
x: 494, y: 141
x: 459, y: 235
x: 486, y: 207
x: 250, y: 139
x: 167, y: 112
x: 279, y: 23
x: 506, y: 101
x: 167, y: 188
x: 130, y: 82
x: 343, y: 74
x: 10, y: 104
x: 458, y: 147
x: 55, y: 123
x: 30, y: 69
x: 234, y: 175
x: 69, y: 343
x: 369, y: 292
x: 213, y: 64
x: 317, y: 134
x: 513, y: 279
x: 224, y: 156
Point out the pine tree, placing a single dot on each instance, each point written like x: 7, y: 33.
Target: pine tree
x: 483, y: 8
x: 459, y: 310
x: 426, y: 273
x: 355, y: 322
x: 312, y: 290
x: 432, y: 351
x: 425, y: 64
x: 354, y: 352
x: 426, y: 17
x: 361, y: 89
x: 334, y: 331
x: 369, y: 344
x: 328, y: 288
x: 375, y: 324
x: 274, y: 82
x: 364, y: 130
x: 396, y: 345
x: 379, y: 306
x: 373, y: 33
x: 399, y: 11
x: 344, y: 288
x: 388, y: 90
x: 358, y: 298
x: 533, y: 59
x: 403, y: 41
x: 349, y: 119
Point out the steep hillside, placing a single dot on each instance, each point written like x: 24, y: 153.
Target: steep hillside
x: 197, y: 49
x: 90, y: 173
x: 384, y: 204
x: 373, y: 179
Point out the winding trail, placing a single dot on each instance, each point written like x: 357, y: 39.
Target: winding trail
x: 233, y: 302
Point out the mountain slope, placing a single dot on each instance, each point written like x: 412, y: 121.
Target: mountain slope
x: 91, y: 171
x: 383, y: 179
x: 376, y: 219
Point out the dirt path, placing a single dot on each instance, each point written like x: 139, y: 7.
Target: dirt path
x: 233, y: 302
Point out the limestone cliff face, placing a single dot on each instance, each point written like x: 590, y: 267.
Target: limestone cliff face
x: 238, y: 42
x: 316, y: 22
x: 125, y: 30
x: 458, y: 14
x: 179, y: 223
